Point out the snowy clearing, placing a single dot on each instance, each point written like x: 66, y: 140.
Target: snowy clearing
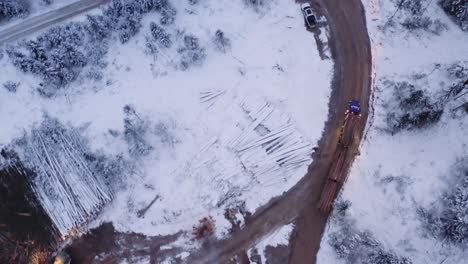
x: 244, y: 133
x: 238, y: 128
x: 395, y: 175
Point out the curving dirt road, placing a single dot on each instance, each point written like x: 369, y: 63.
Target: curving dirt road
x: 42, y: 21
x: 351, y: 51
x: 352, y: 54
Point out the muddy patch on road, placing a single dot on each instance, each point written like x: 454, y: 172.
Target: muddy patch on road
x: 277, y: 255
x: 106, y: 245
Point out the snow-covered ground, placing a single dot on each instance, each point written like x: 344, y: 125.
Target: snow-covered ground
x: 242, y: 127
x: 397, y: 174
x: 237, y: 129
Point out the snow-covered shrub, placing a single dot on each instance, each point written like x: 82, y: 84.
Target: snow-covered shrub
x: 191, y: 42
x: 354, y: 246
x: 458, y: 9
x: 151, y: 46
x: 136, y: 133
x: 221, y: 42
x: 411, y: 108
x: 13, y: 8
x: 125, y: 15
x: 399, y: 183
x: 459, y: 75
x: 414, y: 7
x: 449, y: 220
x: 151, y: 5
x: 383, y: 257
x: 412, y: 15
x: 168, y: 14
x: 340, y: 207
x: 98, y: 27
x: 191, y: 52
x: 458, y: 70
x: 129, y: 27
x: 96, y: 61
x: 160, y: 35
x: 159, y: 38
x: 11, y: 86
x: 456, y: 94
x: 58, y: 55
x: 111, y: 169
x: 257, y: 5
x: 126, y: 18
x: 165, y: 133
x: 94, y: 73
x: 424, y: 23
x: 454, y: 219
x: 360, y: 247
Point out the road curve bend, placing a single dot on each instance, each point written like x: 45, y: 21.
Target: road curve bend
x: 31, y: 25
x: 351, y: 51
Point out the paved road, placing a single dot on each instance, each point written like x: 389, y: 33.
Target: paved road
x: 34, y: 24
x: 350, y: 47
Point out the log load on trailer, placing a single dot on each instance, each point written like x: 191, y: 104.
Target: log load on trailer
x: 336, y: 172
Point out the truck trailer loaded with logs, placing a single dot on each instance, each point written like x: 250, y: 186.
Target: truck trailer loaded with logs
x: 336, y: 171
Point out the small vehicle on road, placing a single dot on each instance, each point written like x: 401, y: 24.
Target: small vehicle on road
x: 354, y: 107
x: 309, y: 15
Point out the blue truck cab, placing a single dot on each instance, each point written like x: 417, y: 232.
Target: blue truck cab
x: 354, y: 107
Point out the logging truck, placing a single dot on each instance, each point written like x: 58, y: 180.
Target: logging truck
x: 336, y: 173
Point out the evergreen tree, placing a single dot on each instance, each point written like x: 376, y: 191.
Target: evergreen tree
x: 221, y: 42
x: 13, y: 8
